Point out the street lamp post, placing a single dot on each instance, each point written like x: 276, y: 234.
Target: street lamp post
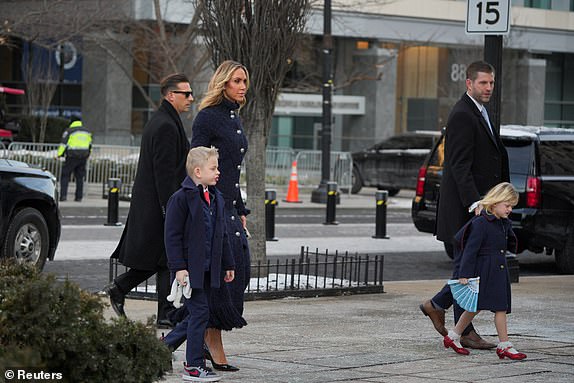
x: 319, y: 195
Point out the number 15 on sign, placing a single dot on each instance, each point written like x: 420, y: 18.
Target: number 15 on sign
x: 488, y: 17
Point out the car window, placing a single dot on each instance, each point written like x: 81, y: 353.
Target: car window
x: 519, y: 155
x: 557, y: 158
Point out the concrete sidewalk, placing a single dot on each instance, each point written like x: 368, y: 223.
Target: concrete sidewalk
x: 385, y: 338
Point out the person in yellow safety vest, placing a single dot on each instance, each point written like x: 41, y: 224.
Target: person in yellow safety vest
x: 76, y: 145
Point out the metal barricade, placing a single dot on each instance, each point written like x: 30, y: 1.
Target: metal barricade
x: 3, y: 150
x: 106, y: 161
x: 115, y: 161
x: 44, y: 156
x: 309, y: 169
x: 278, y: 166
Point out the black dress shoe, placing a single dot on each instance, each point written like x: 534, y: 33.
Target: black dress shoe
x: 217, y: 366
x: 117, y: 299
x: 164, y: 324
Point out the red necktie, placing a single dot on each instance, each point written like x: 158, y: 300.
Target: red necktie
x: 206, y: 195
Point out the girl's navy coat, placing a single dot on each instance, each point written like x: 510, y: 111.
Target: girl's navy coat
x: 480, y: 250
x: 185, y: 236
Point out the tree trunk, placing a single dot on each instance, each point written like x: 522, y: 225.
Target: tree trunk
x: 255, y: 176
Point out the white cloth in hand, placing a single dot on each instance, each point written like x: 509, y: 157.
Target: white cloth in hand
x: 178, y: 291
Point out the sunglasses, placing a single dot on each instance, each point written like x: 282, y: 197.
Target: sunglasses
x: 184, y: 92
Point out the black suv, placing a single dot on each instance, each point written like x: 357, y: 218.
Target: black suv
x: 392, y: 164
x: 542, y: 171
x: 30, y: 226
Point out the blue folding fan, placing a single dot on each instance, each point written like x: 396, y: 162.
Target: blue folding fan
x: 465, y: 295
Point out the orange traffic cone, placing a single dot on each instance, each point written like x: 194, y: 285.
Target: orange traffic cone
x: 293, y: 189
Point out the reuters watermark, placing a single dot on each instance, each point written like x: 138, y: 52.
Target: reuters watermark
x: 22, y: 375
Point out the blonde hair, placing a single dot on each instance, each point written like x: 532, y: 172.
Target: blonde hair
x: 503, y: 192
x: 199, y: 156
x: 216, y: 86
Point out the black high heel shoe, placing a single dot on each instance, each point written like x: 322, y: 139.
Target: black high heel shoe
x: 217, y: 366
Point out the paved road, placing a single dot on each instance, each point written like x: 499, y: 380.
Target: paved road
x: 85, y: 245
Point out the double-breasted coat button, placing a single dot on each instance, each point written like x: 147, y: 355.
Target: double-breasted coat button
x: 238, y: 131
x: 236, y: 186
x: 237, y: 234
x: 502, y: 266
x: 238, y: 167
x: 242, y: 150
x: 501, y: 251
x: 233, y: 218
x: 234, y: 202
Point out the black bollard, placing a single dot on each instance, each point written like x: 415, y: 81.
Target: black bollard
x: 332, y: 195
x: 114, y: 185
x: 381, y: 197
x: 270, y: 203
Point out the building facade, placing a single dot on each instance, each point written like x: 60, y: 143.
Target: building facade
x: 398, y: 66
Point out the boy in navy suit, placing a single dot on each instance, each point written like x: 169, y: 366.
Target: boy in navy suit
x: 198, y: 253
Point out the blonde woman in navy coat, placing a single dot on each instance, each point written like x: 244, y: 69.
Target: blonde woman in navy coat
x: 481, y: 251
x: 218, y: 124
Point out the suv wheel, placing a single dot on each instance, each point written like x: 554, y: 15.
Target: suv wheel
x: 565, y: 257
x: 356, y: 181
x: 27, y: 238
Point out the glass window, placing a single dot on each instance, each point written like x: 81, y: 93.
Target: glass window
x: 557, y: 158
x: 519, y: 155
x: 543, y: 4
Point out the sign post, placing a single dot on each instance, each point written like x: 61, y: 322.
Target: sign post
x: 491, y: 19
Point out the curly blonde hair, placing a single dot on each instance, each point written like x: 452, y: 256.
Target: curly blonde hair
x: 503, y: 192
x: 216, y: 86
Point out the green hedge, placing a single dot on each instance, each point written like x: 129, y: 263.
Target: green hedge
x: 57, y: 327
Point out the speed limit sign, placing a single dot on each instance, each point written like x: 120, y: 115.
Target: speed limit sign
x: 488, y: 17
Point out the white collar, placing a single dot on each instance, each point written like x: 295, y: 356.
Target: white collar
x: 478, y: 104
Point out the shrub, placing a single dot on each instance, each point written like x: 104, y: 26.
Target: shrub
x: 57, y: 327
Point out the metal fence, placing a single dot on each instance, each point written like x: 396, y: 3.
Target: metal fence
x: 309, y: 168
x: 316, y: 274
x: 312, y: 274
x: 115, y: 161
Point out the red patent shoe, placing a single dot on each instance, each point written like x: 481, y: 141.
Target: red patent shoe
x: 505, y: 349
x: 455, y: 345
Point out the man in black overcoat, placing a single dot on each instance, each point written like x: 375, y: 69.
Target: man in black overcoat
x: 161, y: 169
x: 474, y: 161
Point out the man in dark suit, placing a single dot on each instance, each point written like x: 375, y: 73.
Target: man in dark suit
x: 161, y: 169
x: 474, y: 161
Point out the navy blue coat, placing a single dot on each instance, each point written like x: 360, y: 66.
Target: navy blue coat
x: 480, y: 250
x: 220, y: 126
x: 185, y: 236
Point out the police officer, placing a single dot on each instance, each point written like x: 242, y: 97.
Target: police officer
x: 76, y: 145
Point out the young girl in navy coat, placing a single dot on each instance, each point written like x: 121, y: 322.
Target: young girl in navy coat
x: 198, y: 253
x: 481, y: 251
